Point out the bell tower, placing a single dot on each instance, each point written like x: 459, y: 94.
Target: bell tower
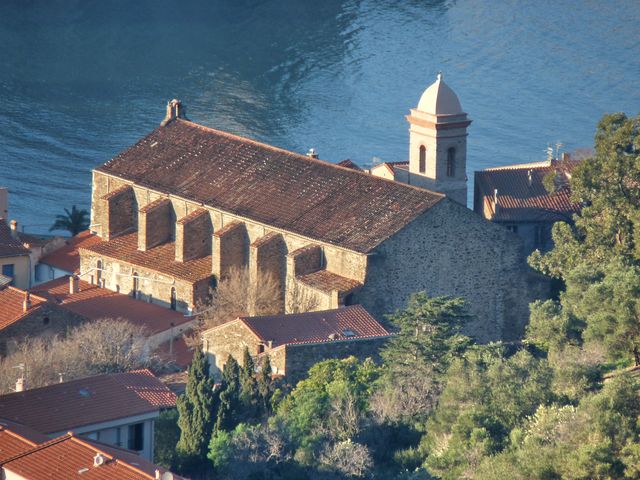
x: 438, y: 142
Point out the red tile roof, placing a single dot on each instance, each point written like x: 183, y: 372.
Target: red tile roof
x: 160, y: 259
x: 347, y: 323
x: 275, y: 187
x: 66, y: 257
x: 520, y: 200
x: 68, y: 457
x: 87, y: 401
x: 9, y: 246
x: 12, y: 306
x: 13, y: 443
x: 326, y: 281
x: 93, y: 303
x: 348, y: 163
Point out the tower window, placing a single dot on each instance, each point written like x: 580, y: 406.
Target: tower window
x: 136, y: 286
x: 99, y: 273
x: 451, y: 162
x: 423, y: 159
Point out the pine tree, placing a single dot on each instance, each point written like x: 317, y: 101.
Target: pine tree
x: 196, y: 408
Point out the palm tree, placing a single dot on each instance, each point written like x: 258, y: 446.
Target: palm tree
x: 75, y: 221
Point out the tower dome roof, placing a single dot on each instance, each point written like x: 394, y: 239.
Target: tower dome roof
x: 439, y: 99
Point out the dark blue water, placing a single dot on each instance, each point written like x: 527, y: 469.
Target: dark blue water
x: 80, y: 81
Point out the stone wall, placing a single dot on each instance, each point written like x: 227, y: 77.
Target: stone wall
x: 193, y: 236
x: 230, y: 248
x: 305, y: 260
x: 48, y: 319
x: 120, y: 212
x: 450, y: 250
x: 154, y: 224
x: 267, y: 259
x: 300, y: 358
x: 118, y: 277
x: 228, y: 339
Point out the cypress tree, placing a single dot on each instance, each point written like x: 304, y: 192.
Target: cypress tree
x: 265, y: 384
x: 249, y: 397
x: 229, y: 396
x: 196, y: 408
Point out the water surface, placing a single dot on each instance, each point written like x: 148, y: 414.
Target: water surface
x: 80, y: 81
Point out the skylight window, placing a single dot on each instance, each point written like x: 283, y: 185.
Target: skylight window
x: 348, y: 332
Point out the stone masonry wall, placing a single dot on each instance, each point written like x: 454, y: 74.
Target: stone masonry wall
x: 117, y: 276
x: 300, y: 358
x: 266, y: 258
x: 121, y: 212
x: 48, y: 319
x: 230, y: 248
x: 229, y: 339
x: 450, y: 250
x: 154, y: 224
x: 193, y: 236
x: 305, y: 260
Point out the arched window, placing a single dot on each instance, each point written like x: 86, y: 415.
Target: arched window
x: 451, y: 162
x: 99, y: 273
x: 174, y: 300
x: 136, y: 285
x: 423, y: 159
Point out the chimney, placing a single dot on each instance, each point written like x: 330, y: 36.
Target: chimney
x: 495, y: 200
x: 270, y: 344
x: 529, y: 177
x: 566, y: 156
x: 312, y: 153
x: 73, y: 284
x: 21, y: 384
x: 14, y: 228
x: 175, y: 109
x: 99, y: 459
x: 26, y: 305
x: 157, y: 474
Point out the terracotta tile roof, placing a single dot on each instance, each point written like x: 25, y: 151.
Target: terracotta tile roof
x: 275, y: 187
x: 87, y: 401
x: 9, y: 246
x: 11, y: 306
x: 93, y: 303
x: 66, y: 258
x: 35, y: 240
x: 68, y: 457
x: 182, y: 354
x: 150, y: 206
x: 520, y: 200
x: 159, y: 259
x: 193, y: 215
x: 347, y: 323
x: 348, y: 163
x: 14, y: 440
x: 328, y: 281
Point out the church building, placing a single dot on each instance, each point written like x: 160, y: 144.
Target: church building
x: 187, y: 203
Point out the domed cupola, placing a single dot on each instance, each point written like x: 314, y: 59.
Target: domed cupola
x: 439, y: 99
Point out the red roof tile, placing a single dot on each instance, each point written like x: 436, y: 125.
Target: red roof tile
x: 66, y: 258
x: 521, y: 200
x: 13, y: 443
x: 93, y: 303
x: 72, y: 457
x: 9, y: 246
x: 275, y: 187
x: 326, y: 281
x: 348, y: 163
x: 347, y: 323
x: 12, y: 306
x: 160, y: 259
x: 87, y: 401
